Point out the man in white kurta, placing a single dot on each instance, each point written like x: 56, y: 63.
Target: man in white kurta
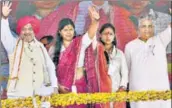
x: 146, y: 58
x: 31, y: 69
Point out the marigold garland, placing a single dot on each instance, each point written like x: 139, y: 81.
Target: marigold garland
x: 85, y: 98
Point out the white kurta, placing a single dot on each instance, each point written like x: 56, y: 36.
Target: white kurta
x: 118, y: 69
x: 148, y: 67
x: 34, y: 62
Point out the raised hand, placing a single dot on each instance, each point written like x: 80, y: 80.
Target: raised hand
x: 94, y: 14
x: 6, y: 8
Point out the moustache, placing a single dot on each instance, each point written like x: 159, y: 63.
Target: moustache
x: 27, y: 35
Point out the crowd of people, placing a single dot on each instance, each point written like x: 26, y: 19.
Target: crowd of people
x: 86, y: 47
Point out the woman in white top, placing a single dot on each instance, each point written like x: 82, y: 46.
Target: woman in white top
x: 116, y: 62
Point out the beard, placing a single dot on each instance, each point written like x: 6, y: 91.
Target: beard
x: 27, y: 37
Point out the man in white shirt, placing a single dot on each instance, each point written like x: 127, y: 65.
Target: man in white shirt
x: 31, y: 69
x: 146, y: 59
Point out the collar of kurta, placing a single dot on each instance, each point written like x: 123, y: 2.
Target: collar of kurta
x: 34, y: 42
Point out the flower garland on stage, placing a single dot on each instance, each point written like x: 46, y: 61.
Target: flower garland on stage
x: 86, y: 98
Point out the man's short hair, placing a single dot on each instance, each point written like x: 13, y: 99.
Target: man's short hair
x: 147, y: 17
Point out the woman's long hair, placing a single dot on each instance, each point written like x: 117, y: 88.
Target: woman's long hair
x: 105, y: 26
x: 59, y: 40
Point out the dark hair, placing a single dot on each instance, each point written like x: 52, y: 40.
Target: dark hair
x: 59, y: 40
x: 49, y: 38
x: 105, y: 26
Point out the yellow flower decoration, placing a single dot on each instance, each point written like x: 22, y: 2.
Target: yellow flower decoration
x: 87, y: 98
